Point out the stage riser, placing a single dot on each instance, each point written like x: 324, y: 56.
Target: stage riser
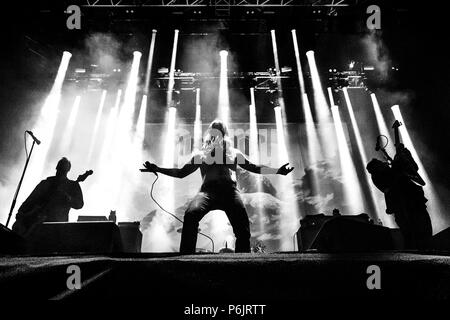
x: 271, y: 278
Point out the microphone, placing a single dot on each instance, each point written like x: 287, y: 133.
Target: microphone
x: 33, y: 137
x: 147, y: 170
x: 377, y: 146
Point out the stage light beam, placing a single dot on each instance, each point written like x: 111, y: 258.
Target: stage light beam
x: 224, y: 100
x: 352, y: 189
x: 254, y: 153
x: 198, y: 121
x: 298, y: 62
x: 375, y: 195
x: 139, y: 135
x: 44, y: 127
x: 172, y: 69
x: 289, y: 207
x: 326, y: 133
x: 150, y: 61
x: 381, y: 123
x: 322, y: 111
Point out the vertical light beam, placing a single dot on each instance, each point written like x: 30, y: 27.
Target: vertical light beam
x: 172, y: 69
x: 253, y: 139
x: 381, y: 123
x: 150, y: 61
x: 298, y: 61
x: 224, y: 100
x: 289, y: 213
x: 352, y: 188
x: 320, y: 102
x: 278, y: 73
x: 140, y: 126
x: 374, y: 194
x: 198, y: 121
x: 254, y: 153
x: 327, y: 135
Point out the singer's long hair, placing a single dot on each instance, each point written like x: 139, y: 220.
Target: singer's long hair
x: 217, y: 136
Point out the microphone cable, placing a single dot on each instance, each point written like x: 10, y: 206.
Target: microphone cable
x: 387, y: 140
x: 174, y: 216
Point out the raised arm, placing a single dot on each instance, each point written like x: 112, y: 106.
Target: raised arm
x: 245, y: 163
x: 182, y: 172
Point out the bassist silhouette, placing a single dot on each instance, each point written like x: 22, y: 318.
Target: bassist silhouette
x: 51, y: 200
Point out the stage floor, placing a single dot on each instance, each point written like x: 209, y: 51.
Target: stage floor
x: 227, y: 278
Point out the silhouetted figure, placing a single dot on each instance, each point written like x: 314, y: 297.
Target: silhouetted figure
x: 404, y: 198
x: 112, y: 216
x: 336, y: 212
x: 50, y: 201
x: 217, y: 162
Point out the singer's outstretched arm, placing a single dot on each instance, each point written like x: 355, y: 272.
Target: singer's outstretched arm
x: 246, y: 164
x: 182, y: 172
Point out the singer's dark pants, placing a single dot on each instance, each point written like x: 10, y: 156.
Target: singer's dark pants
x: 226, y: 198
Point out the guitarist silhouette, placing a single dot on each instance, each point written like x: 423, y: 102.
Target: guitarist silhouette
x: 51, y: 200
x: 402, y: 187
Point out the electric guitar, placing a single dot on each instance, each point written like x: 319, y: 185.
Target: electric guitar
x: 27, y: 221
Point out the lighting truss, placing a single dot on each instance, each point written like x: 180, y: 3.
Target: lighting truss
x: 190, y: 81
x: 219, y: 3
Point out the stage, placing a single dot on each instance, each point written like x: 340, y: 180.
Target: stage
x: 289, y: 278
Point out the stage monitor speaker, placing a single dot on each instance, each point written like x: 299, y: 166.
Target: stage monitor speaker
x: 10, y: 242
x: 75, y: 237
x: 349, y: 235
x: 441, y: 240
x: 131, y: 236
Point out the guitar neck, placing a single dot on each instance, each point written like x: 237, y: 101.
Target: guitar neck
x: 397, y: 141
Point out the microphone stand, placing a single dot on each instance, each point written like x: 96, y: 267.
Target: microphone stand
x: 13, y: 204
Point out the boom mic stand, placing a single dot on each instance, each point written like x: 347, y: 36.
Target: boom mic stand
x: 13, y: 204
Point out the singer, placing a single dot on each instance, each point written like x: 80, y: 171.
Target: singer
x: 217, y: 162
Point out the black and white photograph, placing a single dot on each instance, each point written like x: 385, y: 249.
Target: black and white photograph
x: 230, y: 159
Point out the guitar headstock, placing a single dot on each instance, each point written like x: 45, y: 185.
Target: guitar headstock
x: 396, y: 124
x: 84, y: 176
